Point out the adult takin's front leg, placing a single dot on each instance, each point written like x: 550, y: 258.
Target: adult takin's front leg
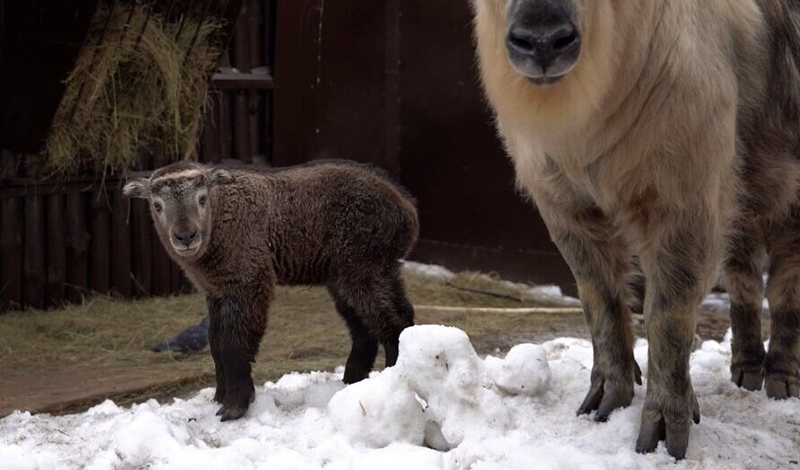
x: 678, y: 259
x: 601, y: 266
x: 745, y: 286
x: 783, y: 292
x: 235, y: 331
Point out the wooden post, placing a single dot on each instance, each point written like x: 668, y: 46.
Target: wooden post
x: 11, y: 224
x: 77, y: 247
x: 34, y: 268
x: 120, y: 245
x: 56, y: 249
x: 100, y: 252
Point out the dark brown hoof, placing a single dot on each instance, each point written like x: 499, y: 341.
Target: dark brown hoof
x: 748, y: 378
x: 351, y: 377
x: 782, y: 386
x: 231, y: 414
x: 674, y: 431
x: 605, y: 396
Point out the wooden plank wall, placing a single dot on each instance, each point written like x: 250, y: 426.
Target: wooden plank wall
x: 60, y: 242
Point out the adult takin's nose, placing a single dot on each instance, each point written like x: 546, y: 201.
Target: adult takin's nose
x: 543, y: 44
x: 185, y: 237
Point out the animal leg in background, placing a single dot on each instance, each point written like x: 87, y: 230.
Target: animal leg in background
x: 783, y: 292
x: 745, y: 286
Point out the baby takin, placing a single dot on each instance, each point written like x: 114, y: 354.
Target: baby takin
x: 238, y: 233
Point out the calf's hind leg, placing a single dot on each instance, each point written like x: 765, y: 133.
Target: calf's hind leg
x: 783, y: 292
x: 380, y: 302
x: 405, y: 311
x: 365, y: 344
x: 235, y: 331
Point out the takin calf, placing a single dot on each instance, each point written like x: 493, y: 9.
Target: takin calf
x: 236, y: 234
x: 669, y: 130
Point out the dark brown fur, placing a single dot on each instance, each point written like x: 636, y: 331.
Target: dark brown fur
x: 335, y: 223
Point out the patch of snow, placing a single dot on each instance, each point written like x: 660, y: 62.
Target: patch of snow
x: 720, y: 302
x: 429, y: 270
x: 549, y: 294
x: 440, y: 407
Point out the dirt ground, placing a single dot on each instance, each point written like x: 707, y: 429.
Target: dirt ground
x: 70, y: 359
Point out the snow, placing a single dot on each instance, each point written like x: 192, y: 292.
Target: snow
x: 429, y: 270
x: 524, y: 371
x: 548, y: 294
x: 441, y: 407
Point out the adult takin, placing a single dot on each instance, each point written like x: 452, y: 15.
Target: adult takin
x: 237, y: 234
x: 669, y: 130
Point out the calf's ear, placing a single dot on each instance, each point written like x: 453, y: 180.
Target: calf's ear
x: 137, y: 188
x: 220, y: 176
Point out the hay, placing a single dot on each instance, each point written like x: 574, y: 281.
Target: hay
x: 128, y: 92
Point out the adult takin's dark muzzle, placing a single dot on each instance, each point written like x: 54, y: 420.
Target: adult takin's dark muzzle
x: 543, y: 39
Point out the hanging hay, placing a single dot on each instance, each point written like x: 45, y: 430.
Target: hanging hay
x: 130, y: 90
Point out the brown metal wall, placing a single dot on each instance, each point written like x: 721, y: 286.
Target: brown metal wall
x: 394, y: 83
x: 61, y: 241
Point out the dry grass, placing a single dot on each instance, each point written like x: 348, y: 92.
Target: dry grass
x: 128, y: 92
x: 113, y: 337
x: 304, y: 332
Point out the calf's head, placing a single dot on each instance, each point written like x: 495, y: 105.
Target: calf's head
x: 180, y: 204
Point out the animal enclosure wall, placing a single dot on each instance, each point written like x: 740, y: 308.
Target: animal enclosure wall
x: 392, y: 83
x: 395, y: 83
x: 62, y: 239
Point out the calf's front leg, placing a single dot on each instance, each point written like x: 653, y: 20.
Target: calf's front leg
x: 237, y: 325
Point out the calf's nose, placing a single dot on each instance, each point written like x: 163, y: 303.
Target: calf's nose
x: 185, y: 237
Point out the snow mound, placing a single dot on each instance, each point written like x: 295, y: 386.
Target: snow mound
x: 441, y: 407
x: 524, y: 371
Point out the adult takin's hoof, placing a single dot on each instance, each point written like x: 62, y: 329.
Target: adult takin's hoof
x: 748, y: 377
x: 606, y: 395
x: 669, y: 421
x: 782, y: 386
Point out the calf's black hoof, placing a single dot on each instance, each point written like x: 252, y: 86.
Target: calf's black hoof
x: 232, y: 414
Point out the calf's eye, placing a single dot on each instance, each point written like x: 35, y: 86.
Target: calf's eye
x: 203, y: 200
x: 157, y: 207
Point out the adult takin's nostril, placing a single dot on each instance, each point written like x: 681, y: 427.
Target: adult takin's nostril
x: 185, y: 237
x: 564, y: 39
x: 522, y: 40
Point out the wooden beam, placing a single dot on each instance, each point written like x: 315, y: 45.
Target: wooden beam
x: 242, y: 81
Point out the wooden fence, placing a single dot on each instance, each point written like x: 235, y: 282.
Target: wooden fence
x: 391, y: 83
x: 60, y: 241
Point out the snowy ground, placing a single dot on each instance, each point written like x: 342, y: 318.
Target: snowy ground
x: 480, y: 413
x: 440, y: 407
